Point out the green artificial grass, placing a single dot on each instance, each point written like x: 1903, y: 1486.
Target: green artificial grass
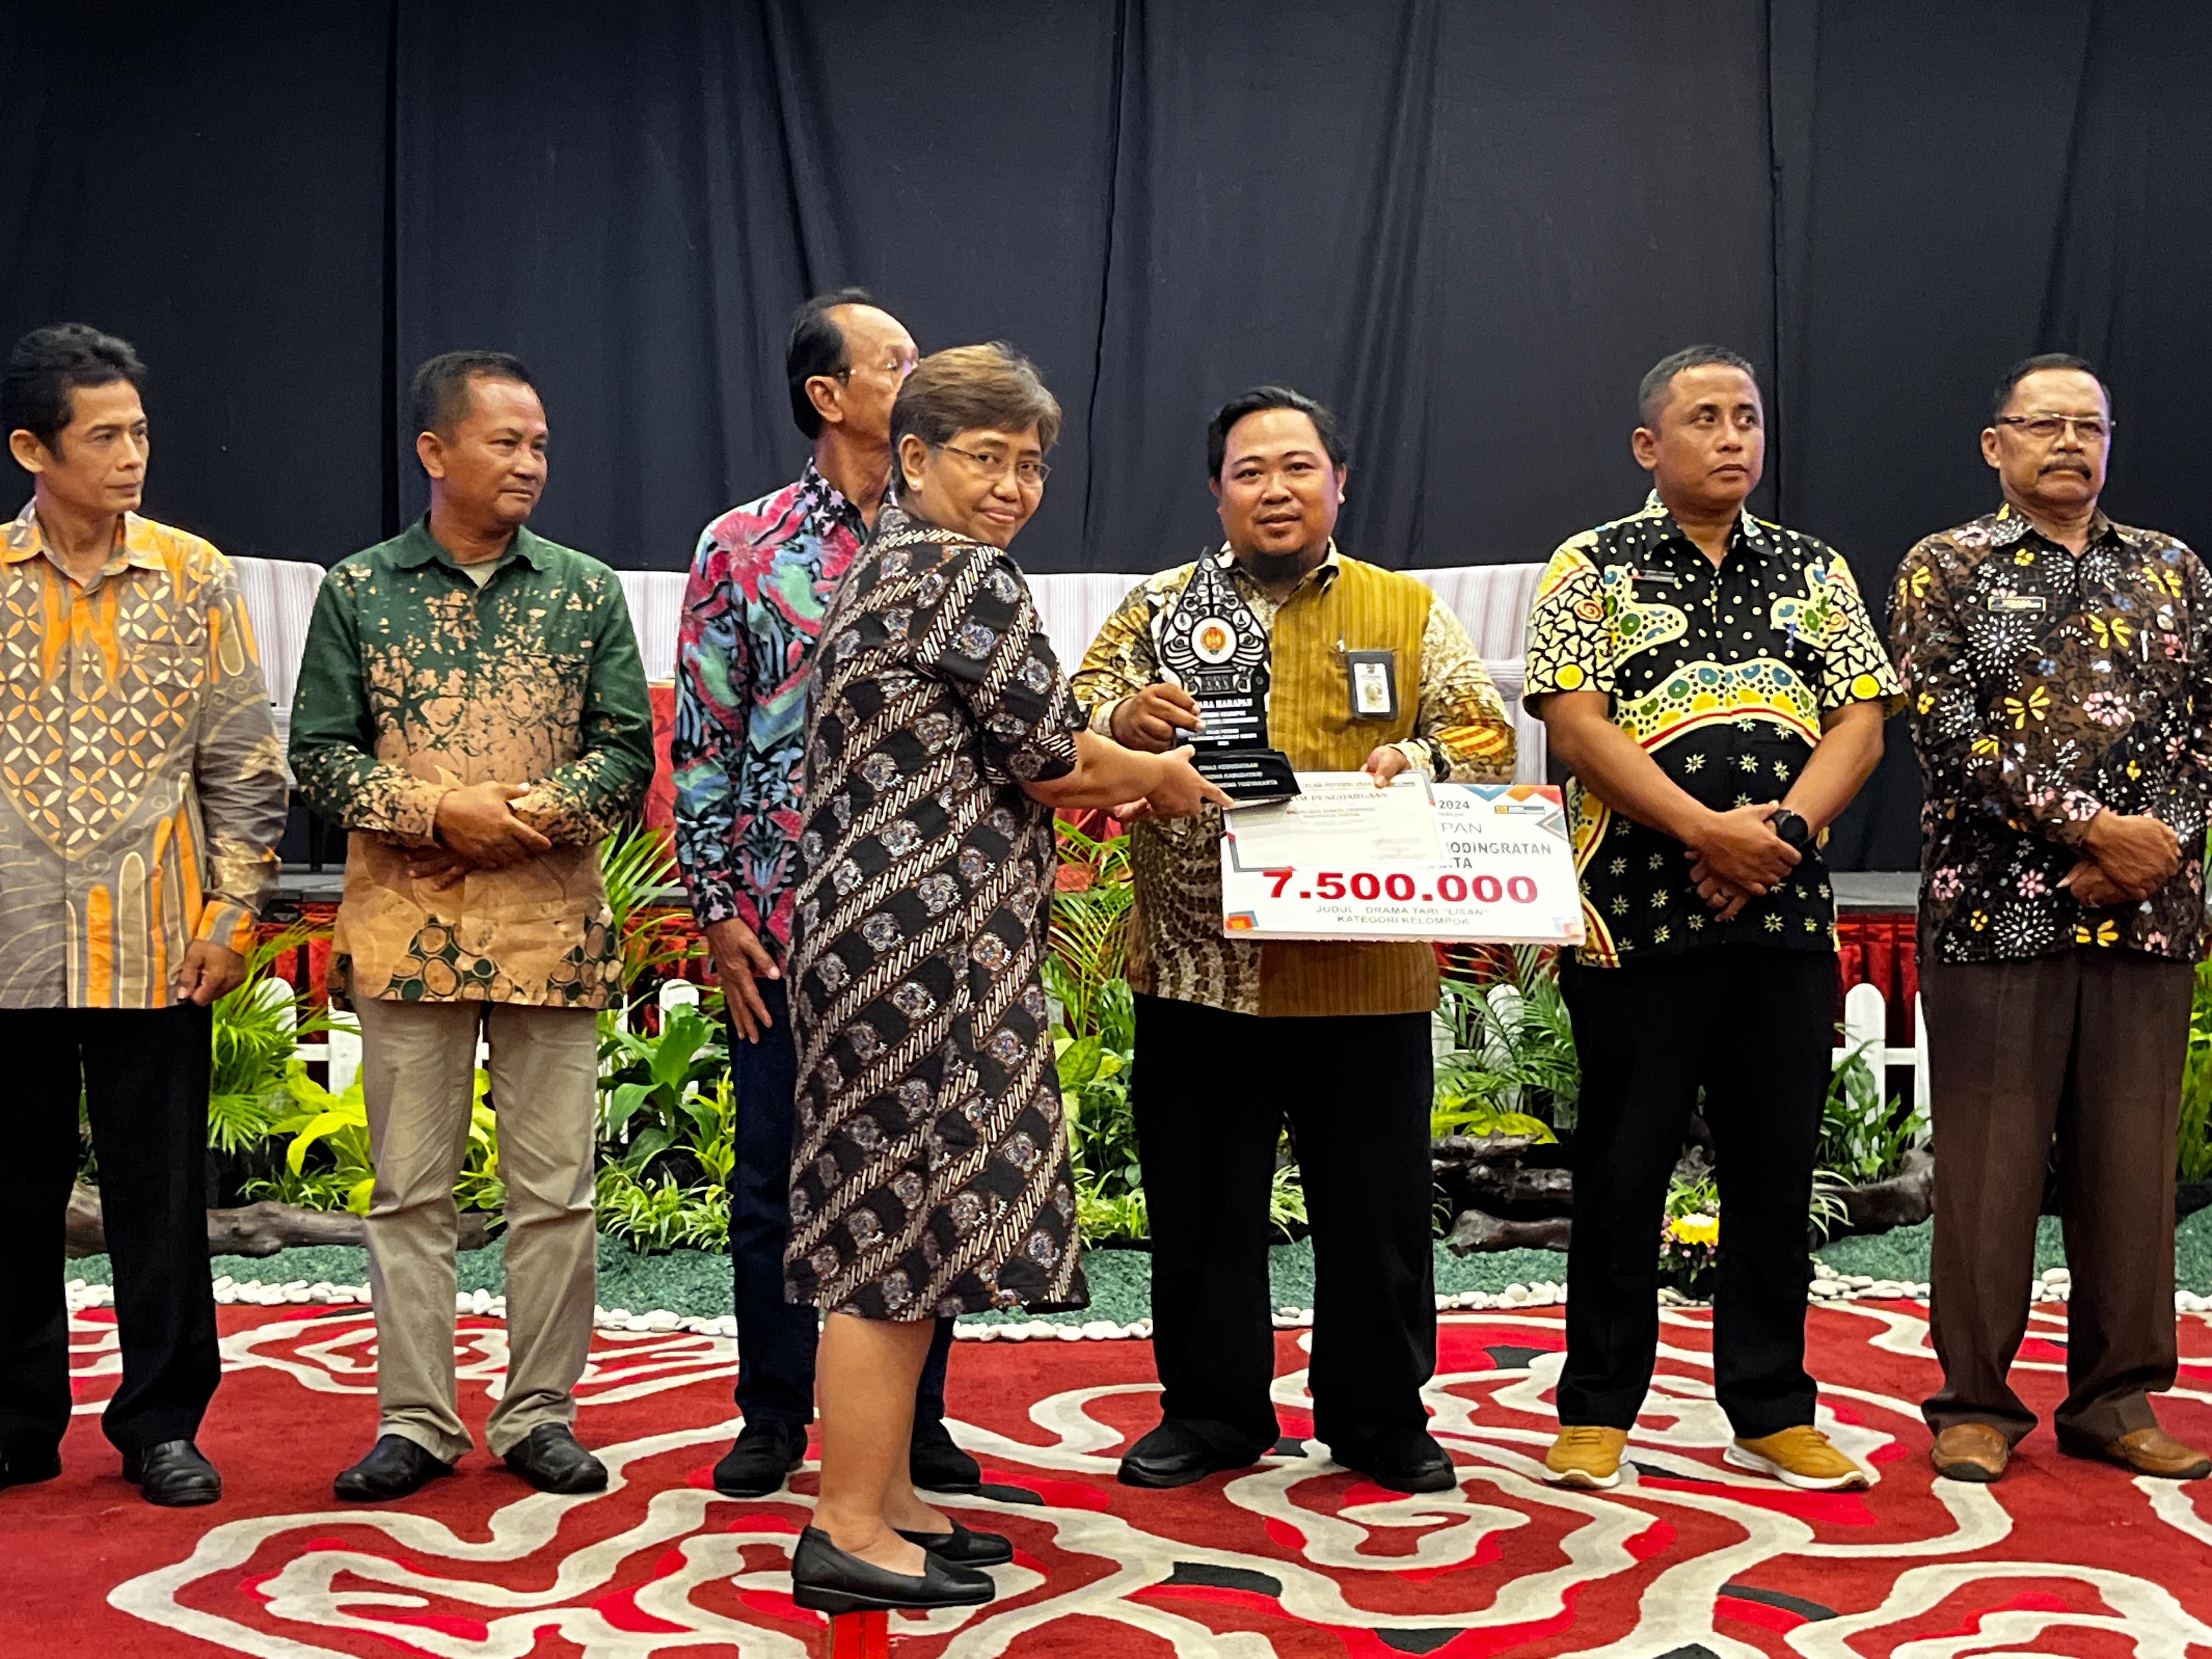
x: 697, y: 1282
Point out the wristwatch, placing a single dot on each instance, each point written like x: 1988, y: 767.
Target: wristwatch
x: 1790, y: 828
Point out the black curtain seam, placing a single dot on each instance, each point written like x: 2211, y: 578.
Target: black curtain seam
x: 1778, y: 471
x: 390, y: 414
x: 1085, y: 553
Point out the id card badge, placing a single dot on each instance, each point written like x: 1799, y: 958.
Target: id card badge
x: 1373, y: 679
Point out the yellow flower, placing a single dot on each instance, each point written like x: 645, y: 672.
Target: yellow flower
x: 1696, y: 1228
x: 2036, y: 705
x: 1985, y: 746
x: 2116, y: 633
x: 1926, y: 702
x: 2104, y: 932
x: 1917, y: 583
x: 2023, y: 555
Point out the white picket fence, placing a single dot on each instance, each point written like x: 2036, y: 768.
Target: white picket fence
x: 1866, y: 1022
x: 339, y: 1049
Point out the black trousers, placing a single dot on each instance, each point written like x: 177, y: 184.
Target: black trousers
x: 777, y: 1338
x: 144, y: 1078
x: 1754, y: 1028
x: 1211, y: 1093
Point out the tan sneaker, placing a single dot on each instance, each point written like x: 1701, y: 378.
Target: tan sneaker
x: 1801, y: 1457
x: 1586, y: 1455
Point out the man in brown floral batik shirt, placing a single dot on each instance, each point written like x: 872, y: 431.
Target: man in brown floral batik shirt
x: 2057, y: 664
x: 472, y: 708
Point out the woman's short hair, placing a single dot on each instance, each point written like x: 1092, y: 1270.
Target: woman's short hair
x: 992, y: 388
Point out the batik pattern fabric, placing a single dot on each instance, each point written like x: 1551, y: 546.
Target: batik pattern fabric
x: 761, y: 583
x: 930, y: 1171
x: 2046, y: 688
x: 416, y: 682
x: 141, y: 764
x: 1458, y: 729
x: 1723, y: 674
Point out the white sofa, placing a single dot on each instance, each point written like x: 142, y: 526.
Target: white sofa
x: 1492, y: 599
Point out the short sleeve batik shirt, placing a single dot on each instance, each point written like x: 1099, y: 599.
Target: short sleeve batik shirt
x: 1723, y: 673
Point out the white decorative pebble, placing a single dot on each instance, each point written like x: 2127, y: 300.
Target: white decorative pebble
x: 661, y: 1320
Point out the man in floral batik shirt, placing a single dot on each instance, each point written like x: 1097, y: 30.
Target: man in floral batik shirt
x: 2060, y: 672
x: 761, y: 582
x: 145, y: 793
x: 473, y: 709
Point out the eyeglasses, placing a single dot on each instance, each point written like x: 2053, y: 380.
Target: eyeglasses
x: 2045, y: 429
x: 1031, y: 474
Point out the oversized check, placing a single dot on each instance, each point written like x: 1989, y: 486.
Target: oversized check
x: 1462, y: 862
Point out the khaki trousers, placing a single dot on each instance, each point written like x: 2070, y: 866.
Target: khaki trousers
x: 418, y: 1074
x: 2088, y: 1045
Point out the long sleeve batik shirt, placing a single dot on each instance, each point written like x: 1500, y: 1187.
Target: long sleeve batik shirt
x: 2047, y: 689
x: 761, y: 583
x: 416, y: 682
x: 142, y: 767
x: 1725, y: 674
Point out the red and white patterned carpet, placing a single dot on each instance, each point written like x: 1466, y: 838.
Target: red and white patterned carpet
x: 1296, y: 1557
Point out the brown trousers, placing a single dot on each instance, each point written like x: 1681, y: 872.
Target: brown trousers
x: 2088, y: 1045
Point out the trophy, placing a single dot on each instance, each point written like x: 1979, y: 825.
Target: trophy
x: 1211, y: 645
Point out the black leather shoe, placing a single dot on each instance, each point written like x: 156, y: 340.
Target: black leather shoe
x: 172, y: 1474
x: 764, y: 1453
x: 1174, y: 1455
x: 825, y: 1579
x: 1404, y: 1460
x: 935, y: 1464
x: 21, y: 1466
x: 395, y: 1466
x: 962, y: 1547
x: 551, y: 1461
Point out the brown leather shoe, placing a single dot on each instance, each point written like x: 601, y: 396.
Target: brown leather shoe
x: 2150, y: 1451
x: 1971, y: 1451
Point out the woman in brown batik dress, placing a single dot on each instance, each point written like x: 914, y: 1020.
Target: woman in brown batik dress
x: 930, y: 1170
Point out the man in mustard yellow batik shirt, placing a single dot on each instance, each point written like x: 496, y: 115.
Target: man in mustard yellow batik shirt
x: 1349, y: 1023
x: 145, y: 790
x: 473, y: 709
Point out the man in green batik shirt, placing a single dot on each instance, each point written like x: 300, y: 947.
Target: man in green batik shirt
x: 472, y: 708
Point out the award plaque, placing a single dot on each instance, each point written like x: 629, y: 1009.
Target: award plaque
x: 1214, y: 647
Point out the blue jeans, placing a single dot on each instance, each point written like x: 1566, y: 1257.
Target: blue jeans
x: 775, y: 1338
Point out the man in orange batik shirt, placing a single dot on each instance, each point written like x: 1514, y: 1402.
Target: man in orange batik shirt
x: 146, y: 792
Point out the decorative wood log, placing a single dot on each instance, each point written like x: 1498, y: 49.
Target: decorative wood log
x: 1906, y: 1198
x: 1475, y: 1230
x: 260, y: 1229
x: 1518, y: 1193
x: 1456, y: 1150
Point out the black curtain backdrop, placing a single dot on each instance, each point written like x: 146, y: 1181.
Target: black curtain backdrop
x: 1468, y: 224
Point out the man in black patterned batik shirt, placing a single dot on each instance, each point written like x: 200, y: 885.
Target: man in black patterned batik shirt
x: 2058, y: 664
x: 1714, y: 685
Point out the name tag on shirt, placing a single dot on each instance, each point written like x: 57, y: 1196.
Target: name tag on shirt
x: 1373, y: 683
x: 2015, y: 603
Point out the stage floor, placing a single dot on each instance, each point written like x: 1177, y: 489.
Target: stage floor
x: 1298, y: 1556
